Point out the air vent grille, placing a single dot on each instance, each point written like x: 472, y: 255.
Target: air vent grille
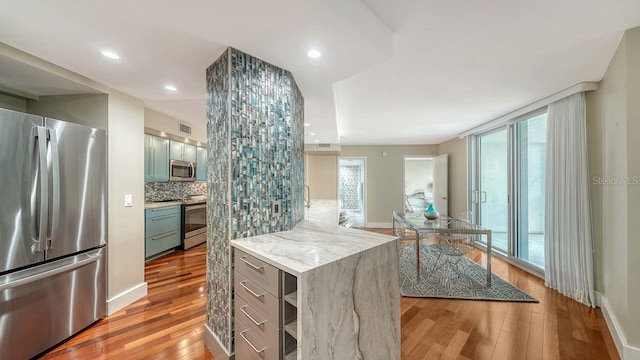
x: 185, y: 129
x: 324, y: 145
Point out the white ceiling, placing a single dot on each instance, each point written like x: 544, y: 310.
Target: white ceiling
x: 392, y: 71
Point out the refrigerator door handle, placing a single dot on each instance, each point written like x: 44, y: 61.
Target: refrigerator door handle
x: 46, y: 274
x: 55, y: 175
x: 41, y: 135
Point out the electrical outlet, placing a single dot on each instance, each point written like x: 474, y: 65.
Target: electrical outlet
x: 128, y: 200
x: 275, y: 208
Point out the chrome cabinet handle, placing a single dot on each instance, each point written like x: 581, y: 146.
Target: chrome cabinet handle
x: 251, y: 317
x: 250, y: 291
x: 250, y: 344
x: 164, y: 235
x: 257, y: 268
x: 163, y: 217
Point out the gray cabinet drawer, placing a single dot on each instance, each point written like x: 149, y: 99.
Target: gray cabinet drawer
x: 257, y: 297
x: 258, y: 271
x: 250, y: 316
x: 251, y: 345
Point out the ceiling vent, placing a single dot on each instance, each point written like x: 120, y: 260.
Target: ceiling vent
x: 322, y: 149
x: 185, y: 129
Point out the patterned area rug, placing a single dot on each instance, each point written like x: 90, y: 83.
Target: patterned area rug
x: 452, y: 277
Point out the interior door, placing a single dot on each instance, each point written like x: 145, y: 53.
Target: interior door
x: 77, y: 162
x: 19, y: 190
x: 441, y: 184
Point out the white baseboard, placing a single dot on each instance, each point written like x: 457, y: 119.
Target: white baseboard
x: 214, y: 346
x: 626, y: 351
x: 126, y: 297
x: 379, y: 225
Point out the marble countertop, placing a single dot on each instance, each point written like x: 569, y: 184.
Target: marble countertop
x: 151, y: 205
x: 315, y: 241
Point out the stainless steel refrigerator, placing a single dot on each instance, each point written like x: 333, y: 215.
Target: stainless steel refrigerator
x: 53, y: 225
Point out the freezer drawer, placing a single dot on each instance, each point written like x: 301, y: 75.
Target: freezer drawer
x: 43, y: 305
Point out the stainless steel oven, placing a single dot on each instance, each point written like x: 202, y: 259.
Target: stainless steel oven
x: 194, y: 224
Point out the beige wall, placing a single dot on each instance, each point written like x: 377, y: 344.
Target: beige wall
x: 458, y: 173
x: 384, y: 174
x: 89, y: 110
x: 170, y: 125
x: 613, y: 122
x: 125, y: 127
x: 633, y: 191
x: 321, y: 175
x: 126, y: 176
x: 12, y: 103
x: 384, y: 185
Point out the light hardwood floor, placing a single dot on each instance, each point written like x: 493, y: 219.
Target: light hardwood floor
x: 169, y: 322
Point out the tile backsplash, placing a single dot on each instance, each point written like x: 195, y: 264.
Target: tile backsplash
x: 160, y: 191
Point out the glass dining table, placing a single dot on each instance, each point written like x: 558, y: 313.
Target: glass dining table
x: 443, y: 225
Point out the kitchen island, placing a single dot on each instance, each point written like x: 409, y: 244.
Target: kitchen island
x: 337, y: 289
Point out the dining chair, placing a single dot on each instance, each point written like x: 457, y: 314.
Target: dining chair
x: 407, y: 235
x: 454, y: 244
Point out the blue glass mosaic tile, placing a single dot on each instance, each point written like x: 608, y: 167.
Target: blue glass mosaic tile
x: 255, y: 128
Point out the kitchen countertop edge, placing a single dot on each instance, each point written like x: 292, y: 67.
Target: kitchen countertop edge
x: 151, y: 205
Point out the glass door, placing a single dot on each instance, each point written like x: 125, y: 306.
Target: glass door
x: 508, y: 187
x: 492, y: 198
x: 531, y: 148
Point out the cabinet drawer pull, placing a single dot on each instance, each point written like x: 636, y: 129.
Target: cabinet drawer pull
x: 164, y: 235
x: 257, y: 268
x: 163, y: 217
x: 249, y: 290
x: 250, y: 344
x: 251, y: 317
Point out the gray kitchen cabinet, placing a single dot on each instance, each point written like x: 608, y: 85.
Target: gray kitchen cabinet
x: 182, y: 151
x: 162, y: 229
x: 156, y: 158
x: 201, y: 164
x: 265, y: 310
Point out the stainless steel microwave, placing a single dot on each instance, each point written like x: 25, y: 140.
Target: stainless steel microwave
x: 182, y: 171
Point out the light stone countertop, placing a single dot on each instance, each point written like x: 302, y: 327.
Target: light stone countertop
x: 315, y: 241
x: 151, y: 205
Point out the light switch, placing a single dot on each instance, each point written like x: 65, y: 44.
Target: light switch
x: 128, y: 200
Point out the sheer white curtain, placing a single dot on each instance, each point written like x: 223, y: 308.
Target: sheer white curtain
x: 568, y: 245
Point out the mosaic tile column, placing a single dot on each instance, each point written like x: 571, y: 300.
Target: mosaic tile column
x: 255, y: 125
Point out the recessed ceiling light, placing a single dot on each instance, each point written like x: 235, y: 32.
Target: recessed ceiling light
x: 111, y: 55
x: 312, y: 134
x: 170, y: 87
x: 186, y: 140
x: 306, y: 124
x: 314, y: 54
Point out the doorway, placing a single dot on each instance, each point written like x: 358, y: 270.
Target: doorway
x: 425, y: 183
x: 351, y: 189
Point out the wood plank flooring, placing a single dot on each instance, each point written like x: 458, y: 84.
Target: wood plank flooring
x: 169, y: 322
